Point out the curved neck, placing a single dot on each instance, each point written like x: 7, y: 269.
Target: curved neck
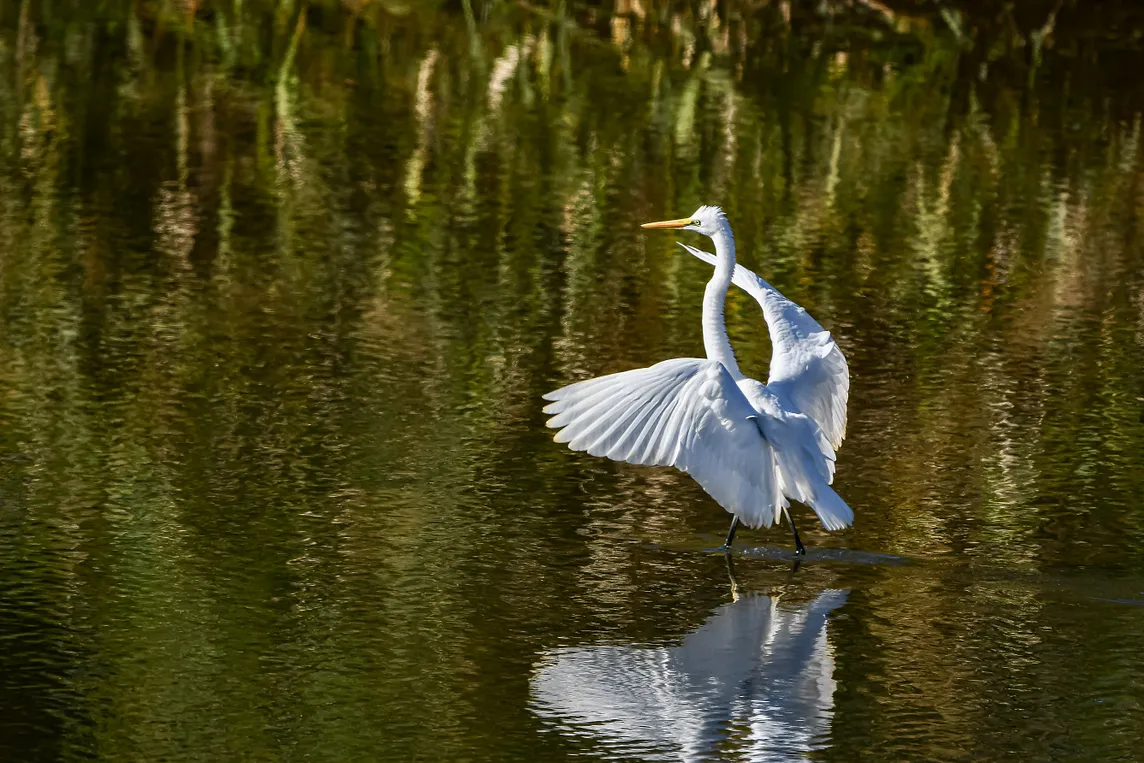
x: 715, y: 341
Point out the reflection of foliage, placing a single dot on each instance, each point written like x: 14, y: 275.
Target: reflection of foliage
x: 282, y: 282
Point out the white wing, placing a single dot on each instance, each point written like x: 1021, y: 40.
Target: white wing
x: 684, y: 412
x: 807, y: 368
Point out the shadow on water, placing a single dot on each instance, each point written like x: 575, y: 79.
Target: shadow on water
x: 812, y: 555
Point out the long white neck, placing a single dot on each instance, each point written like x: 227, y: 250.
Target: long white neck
x: 715, y: 341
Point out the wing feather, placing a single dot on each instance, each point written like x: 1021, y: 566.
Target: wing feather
x: 632, y: 440
x: 685, y: 412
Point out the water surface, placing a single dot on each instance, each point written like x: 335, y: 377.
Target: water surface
x: 282, y: 285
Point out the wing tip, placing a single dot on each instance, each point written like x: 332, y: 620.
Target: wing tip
x: 705, y: 256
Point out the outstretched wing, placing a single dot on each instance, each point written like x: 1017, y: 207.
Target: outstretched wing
x: 684, y: 412
x: 807, y: 368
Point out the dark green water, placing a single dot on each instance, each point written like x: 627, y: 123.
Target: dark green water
x: 279, y: 300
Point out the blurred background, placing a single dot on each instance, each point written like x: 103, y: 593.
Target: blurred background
x: 282, y: 283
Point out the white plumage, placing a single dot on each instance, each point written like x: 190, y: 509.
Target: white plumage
x: 808, y: 372
x: 685, y: 412
x: 753, y: 447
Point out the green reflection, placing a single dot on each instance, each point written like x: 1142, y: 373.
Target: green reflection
x: 282, y: 283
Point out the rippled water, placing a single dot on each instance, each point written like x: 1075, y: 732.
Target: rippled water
x: 281, y: 286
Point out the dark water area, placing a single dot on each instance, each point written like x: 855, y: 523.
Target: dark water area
x: 281, y: 285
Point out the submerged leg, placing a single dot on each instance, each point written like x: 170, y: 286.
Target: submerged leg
x: 731, y: 533
x: 799, y: 549
x: 731, y: 574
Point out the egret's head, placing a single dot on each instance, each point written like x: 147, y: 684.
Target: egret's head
x: 705, y: 220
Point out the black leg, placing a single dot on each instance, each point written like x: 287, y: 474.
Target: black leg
x: 799, y: 549
x: 731, y: 533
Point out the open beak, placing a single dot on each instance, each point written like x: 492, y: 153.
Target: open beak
x: 681, y: 223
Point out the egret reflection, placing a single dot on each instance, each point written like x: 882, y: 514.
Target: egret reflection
x: 755, y: 682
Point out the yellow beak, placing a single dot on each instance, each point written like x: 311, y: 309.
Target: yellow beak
x: 681, y: 223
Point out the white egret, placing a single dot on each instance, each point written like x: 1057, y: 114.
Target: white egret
x: 751, y: 446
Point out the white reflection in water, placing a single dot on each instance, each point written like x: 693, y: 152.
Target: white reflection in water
x: 754, y: 683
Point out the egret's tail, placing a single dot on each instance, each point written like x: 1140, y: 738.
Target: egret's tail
x: 832, y: 511
x: 805, y: 463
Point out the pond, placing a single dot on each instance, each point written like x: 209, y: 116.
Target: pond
x: 282, y: 285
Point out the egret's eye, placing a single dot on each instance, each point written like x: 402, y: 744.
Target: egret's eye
x: 696, y: 222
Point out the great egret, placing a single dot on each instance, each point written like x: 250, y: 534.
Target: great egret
x: 750, y: 446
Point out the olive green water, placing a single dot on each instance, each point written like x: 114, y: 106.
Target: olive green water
x: 281, y: 287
